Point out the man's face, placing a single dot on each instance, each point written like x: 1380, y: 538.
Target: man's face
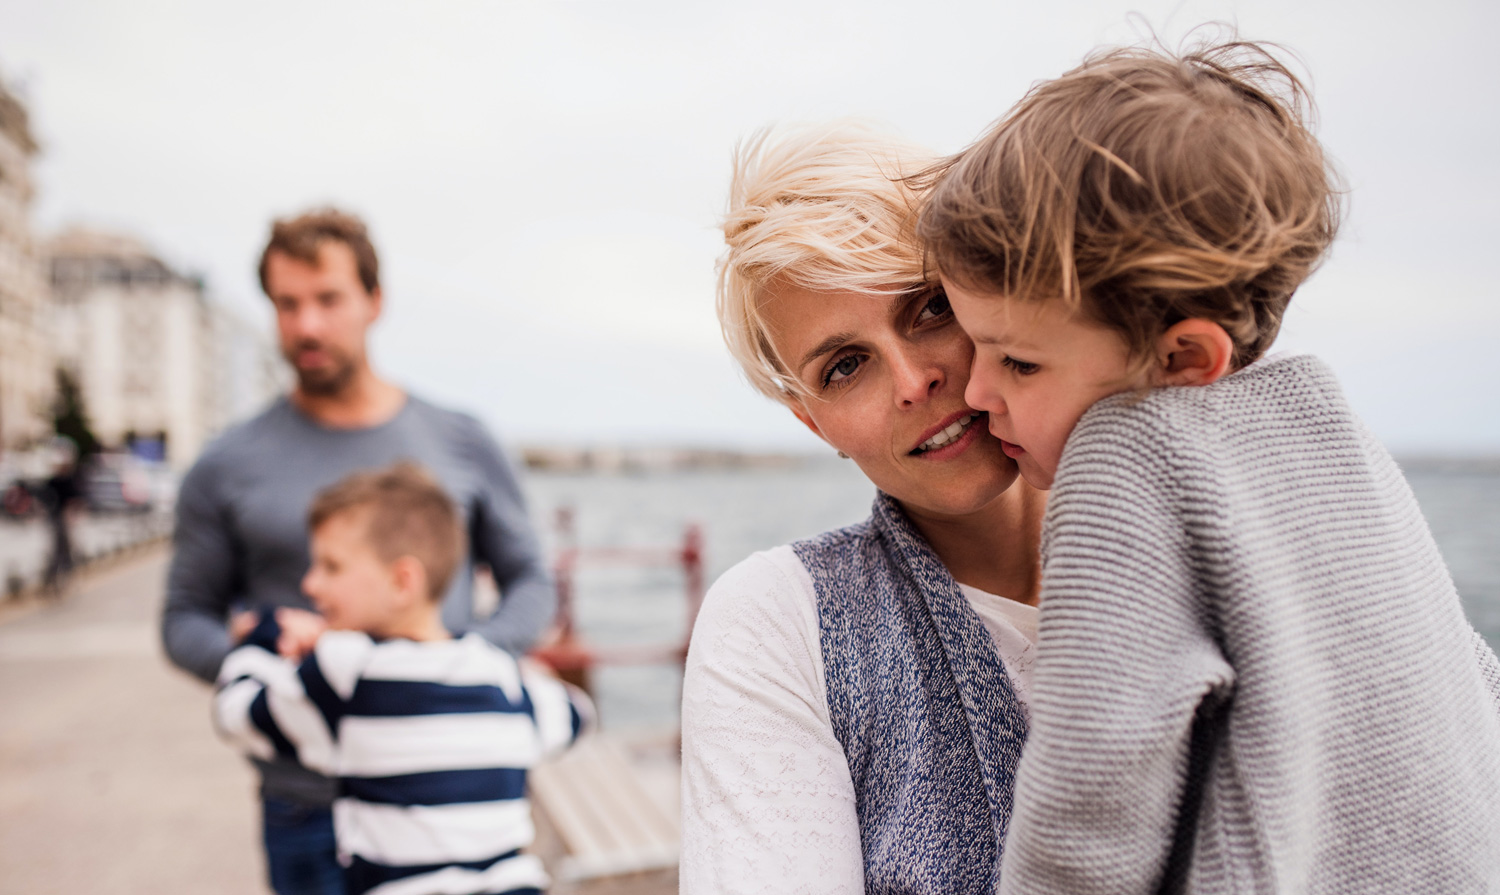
x: 348, y: 582
x: 322, y: 314
x: 1037, y: 368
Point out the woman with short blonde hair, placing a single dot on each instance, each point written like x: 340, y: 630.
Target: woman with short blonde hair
x: 854, y: 704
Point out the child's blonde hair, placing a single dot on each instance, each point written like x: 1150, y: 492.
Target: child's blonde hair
x: 405, y: 512
x: 1146, y: 188
x: 825, y: 208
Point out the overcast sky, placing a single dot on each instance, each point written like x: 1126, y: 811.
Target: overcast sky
x: 543, y: 180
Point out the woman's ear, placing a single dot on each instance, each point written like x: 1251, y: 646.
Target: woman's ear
x: 1193, y: 352
x: 800, y: 412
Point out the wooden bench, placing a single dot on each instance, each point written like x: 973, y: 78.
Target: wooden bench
x: 598, y: 821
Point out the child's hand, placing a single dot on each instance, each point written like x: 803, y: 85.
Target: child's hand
x: 300, y: 630
x: 241, y: 624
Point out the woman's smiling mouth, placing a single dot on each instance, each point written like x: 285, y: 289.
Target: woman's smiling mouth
x: 948, y: 434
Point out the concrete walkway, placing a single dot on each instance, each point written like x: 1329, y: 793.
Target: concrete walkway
x: 111, y: 779
x: 26, y: 545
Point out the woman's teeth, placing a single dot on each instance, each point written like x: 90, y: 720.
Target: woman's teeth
x: 947, y: 435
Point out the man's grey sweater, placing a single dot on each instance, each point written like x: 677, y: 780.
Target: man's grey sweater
x: 1253, y: 674
x: 241, y: 536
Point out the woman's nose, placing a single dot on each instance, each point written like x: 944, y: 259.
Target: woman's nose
x: 917, y: 379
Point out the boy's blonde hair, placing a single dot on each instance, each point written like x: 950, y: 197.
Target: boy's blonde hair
x: 1146, y: 188
x: 824, y: 208
x: 405, y: 512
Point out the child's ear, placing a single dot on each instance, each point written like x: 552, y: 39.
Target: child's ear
x: 410, y: 575
x: 1193, y: 352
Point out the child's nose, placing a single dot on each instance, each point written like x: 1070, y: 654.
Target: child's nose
x: 981, y: 395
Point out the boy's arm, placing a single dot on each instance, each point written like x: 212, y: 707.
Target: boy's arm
x: 561, y: 711
x: 270, y: 708
x: 1125, y: 670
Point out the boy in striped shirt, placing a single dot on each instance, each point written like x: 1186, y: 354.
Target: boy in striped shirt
x: 429, y: 736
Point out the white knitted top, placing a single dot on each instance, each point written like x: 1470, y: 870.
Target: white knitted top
x: 768, y: 804
x: 1253, y: 671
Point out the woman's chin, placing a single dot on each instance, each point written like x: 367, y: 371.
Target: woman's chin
x: 962, y: 490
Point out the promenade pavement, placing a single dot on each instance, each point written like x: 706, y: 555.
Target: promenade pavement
x: 26, y: 545
x: 111, y: 778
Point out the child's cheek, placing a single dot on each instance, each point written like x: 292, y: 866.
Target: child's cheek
x: 1035, y: 473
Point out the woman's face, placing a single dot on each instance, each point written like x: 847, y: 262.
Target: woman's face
x: 887, y: 377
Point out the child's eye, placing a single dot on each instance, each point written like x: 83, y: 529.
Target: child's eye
x: 1021, y: 367
x: 936, y: 306
x: 842, y: 369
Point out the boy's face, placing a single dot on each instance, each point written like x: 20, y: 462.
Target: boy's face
x: 348, y: 582
x: 1037, y: 368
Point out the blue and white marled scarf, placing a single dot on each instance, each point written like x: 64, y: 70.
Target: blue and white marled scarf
x: 921, y: 703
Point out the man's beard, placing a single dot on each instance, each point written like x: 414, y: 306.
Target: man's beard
x: 324, y: 382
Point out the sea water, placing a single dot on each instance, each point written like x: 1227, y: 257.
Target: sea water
x: 745, y: 510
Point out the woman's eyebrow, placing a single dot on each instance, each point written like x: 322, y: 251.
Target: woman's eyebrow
x: 824, y: 347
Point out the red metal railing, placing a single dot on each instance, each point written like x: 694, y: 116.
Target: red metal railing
x: 566, y: 651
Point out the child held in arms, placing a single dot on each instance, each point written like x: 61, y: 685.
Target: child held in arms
x: 1253, y: 673
x: 429, y: 736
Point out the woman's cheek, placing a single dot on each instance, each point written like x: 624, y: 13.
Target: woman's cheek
x: 858, y: 427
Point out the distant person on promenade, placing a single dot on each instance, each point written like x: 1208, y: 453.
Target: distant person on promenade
x: 429, y: 736
x: 240, y: 544
x: 1255, y: 674
x: 61, y: 495
x: 854, y: 704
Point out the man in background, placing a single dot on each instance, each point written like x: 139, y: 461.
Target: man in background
x: 240, y: 544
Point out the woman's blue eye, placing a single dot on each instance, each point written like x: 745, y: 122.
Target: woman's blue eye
x: 936, y: 307
x: 843, y: 368
x: 1021, y: 367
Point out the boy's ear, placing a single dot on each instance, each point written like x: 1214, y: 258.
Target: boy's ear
x: 1193, y: 352
x: 410, y: 576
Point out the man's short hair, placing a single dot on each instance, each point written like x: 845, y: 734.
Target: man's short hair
x: 1145, y: 188
x: 405, y: 512
x: 302, y: 236
x: 824, y: 208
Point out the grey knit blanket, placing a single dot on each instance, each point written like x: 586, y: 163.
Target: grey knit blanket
x: 1254, y: 673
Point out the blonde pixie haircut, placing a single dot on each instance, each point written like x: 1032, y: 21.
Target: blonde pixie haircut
x: 824, y: 208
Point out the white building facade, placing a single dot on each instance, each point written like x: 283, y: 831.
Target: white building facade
x: 159, y: 365
x: 248, y: 372
x: 26, y: 357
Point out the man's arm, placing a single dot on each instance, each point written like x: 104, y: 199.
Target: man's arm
x: 502, y: 538
x: 201, y: 581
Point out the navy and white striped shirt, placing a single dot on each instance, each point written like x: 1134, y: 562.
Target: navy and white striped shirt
x: 430, y: 742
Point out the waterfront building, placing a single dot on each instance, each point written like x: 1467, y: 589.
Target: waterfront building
x: 161, y: 367
x: 26, y: 358
x: 248, y: 371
